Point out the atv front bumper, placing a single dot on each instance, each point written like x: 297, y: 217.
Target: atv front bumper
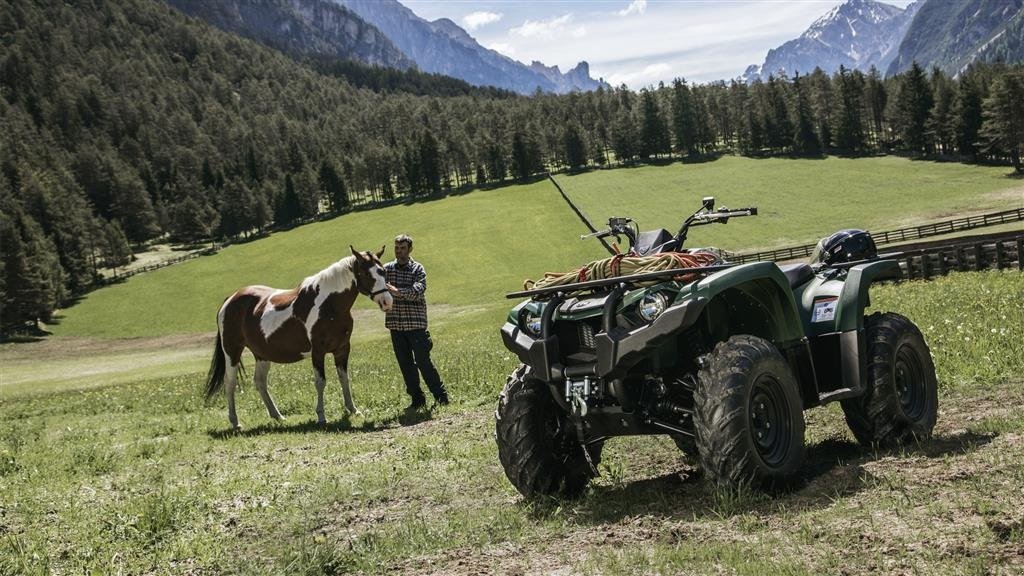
x: 618, y: 348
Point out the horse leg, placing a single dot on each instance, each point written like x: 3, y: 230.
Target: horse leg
x: 230, y: 383
x: 321, y: 383
x: 341, y: 364
x: 260, y: 379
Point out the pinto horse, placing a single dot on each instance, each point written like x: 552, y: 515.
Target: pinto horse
x: 285, y: 326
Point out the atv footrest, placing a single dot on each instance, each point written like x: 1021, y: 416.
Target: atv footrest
x: 840, y: 394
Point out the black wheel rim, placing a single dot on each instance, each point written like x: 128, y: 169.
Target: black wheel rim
x: 909, y: 381
x: 769, y: 420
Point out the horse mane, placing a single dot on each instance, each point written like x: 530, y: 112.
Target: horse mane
x: 337, y: 277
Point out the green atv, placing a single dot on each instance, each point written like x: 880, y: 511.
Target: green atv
x: 722, y: 358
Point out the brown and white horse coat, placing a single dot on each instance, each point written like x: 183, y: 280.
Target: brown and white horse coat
x: 285, y: 326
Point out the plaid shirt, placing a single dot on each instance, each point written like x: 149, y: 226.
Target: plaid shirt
x: 409, y: 311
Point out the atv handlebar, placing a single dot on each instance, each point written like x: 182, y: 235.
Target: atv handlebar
x: 723, y: 214
x: 619, y: 226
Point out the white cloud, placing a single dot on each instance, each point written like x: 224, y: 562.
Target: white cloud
x: 543, y: 28
x: 478, y: 19
x: 649, y: 74
x: 635, y: 7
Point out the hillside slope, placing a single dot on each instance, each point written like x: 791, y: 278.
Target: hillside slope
x: 952, y: 34
x: 301, y: 27
x: 445, y: 48
x: 857, y: 35
x: 478, y: 246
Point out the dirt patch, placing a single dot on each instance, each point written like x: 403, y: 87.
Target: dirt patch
x: 74, y: 347
x: 890, y: 510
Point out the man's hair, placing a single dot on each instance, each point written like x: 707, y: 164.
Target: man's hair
x: 404, y: 238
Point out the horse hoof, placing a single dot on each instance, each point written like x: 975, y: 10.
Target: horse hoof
x: 236, y: 428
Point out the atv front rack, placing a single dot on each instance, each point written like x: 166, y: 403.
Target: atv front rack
x: 548, y: 291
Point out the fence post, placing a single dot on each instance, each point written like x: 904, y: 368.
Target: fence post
x: 942, y: 263
x: 999, y: 255
x: 1020, y: 253
x: 977, y: 257
x: 925, y: 265
x: 910, y: 267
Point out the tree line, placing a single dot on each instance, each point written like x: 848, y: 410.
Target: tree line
x: 125, y: 122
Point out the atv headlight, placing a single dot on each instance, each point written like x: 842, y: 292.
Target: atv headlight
x: 651, y: 306
x: 529, y: 321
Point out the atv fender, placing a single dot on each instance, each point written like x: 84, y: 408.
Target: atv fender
x: 756, y: 299
x: 854, y: 298
x: 838, y: 343
x: 760, y: 283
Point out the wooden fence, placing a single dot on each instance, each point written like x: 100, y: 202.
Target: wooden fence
x: 888, y: 237
x: 963, y: 256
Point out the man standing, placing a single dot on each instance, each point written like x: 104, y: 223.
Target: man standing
x: 407, y: 321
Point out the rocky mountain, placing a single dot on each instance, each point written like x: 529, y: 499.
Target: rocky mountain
x: 857, y: 34
x: 301, y: 27
x: 443, y: 47
x: 951, y: 34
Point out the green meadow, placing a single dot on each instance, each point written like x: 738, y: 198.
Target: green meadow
x: 112, y: 463
x: 799, y: 201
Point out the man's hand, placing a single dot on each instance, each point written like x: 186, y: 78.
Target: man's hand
x: 394, y: 291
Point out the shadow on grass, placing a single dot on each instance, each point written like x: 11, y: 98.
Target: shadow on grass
x: 833, y: 469
x: 344, y: 425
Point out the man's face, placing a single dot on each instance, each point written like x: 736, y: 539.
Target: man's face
x: 402, y: 250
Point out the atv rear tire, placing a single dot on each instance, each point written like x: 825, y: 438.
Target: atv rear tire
x: 537, y: 443
x: 901, y: 401
x: 748, y: 416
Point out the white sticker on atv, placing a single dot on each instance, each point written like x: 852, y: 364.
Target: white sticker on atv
x: 824, y: 309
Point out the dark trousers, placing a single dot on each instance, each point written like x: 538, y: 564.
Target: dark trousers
x: 412, y: 350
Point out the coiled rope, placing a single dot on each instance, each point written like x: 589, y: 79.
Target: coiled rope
x: 623, y: 265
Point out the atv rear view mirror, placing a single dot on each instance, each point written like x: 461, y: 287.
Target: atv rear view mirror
x: 709, y: 202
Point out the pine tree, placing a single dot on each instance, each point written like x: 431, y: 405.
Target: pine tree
x: 913, y: 107
x: 684, y: 122
x: 848, y: 119
x: 430, y: 162
x: 821, y: 104
x: 940, y: 126
x: 876, y: 98
x: 332, y: 186
x: 805, y: 139
x: 575, y: 146
x: 286, y: 207
x: 625, y: 137
x: 778, y: 129
x: 654, y: 137
x: 1003, y: 128
x: 968, y: 116
x: 115, y: 250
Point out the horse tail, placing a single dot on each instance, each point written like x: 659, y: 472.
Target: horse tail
x: 215, y: 378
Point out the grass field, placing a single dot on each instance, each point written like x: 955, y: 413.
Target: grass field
x: 110, y: 461
x: 142, y: 477
x: 799, y: 201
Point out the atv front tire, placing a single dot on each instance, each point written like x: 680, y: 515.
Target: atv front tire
x: 901, y: 402
x: 748, y: 416
x: 537, y: 443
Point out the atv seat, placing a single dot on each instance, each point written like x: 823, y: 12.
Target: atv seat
x: 650, y: 242
x: 797, y: 274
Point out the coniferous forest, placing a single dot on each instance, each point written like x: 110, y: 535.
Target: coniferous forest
x: 124, y: 121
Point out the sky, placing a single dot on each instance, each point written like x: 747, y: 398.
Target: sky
x: 634, y: 42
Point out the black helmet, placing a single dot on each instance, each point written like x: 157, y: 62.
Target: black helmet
x: 844, y: 246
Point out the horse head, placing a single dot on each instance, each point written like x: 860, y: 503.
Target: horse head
x: 370, y: 277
